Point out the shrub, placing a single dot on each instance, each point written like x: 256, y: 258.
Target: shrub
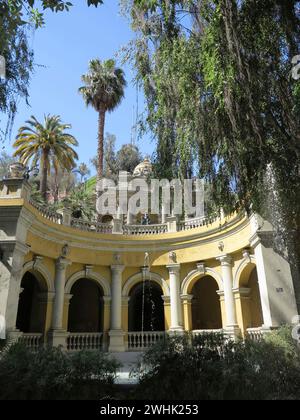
x: 212, y: 368
x: 51, y: 374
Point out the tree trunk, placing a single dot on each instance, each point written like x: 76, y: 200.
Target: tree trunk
x: 44, y: 181
x: 101, y: 141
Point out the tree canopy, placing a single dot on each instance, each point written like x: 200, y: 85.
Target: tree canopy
x: 17, y: 18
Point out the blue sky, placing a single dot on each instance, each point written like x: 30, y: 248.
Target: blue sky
x: 62, y: 50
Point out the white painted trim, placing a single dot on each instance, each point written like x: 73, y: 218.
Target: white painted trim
x: 245, y: 262
x: 91, y: 275
x: 196, y: 273
x: 138, y: 277
x: 41, y: 269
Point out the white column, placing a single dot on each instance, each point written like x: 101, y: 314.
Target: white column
x: 116, y: 333
x: 262, y: 282
x: 226, y: 264
x: 59, y: 300
x: 176, y: 308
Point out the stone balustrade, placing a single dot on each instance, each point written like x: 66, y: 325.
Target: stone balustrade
x: 31, y: 341
x: 47, y: 214
x: 91, y: 226
x: 84, y: 341
x: 137, y: 230
x: 129, y: 229
x: 139, y: 341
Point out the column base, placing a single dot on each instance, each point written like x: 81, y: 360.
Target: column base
x: 116, y: 341
x: 233, y: 331
x: 176, y: 330
x: 58, y: 338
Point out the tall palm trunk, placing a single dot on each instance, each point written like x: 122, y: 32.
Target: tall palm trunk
x: 101, y: 125
x: 44, y: 180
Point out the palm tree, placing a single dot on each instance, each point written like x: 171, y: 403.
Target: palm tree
x: 82, y: 171
x: 48, y: 145
x: 103, y: 89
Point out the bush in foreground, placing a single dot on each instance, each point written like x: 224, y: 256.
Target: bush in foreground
x: 51, y: 374
x: 211, y: 368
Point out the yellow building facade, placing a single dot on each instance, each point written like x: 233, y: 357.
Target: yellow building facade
x: 77, y: 285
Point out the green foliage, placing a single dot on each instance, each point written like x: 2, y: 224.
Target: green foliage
x: 211, y: 368
x: 82, y: 203
x: 48, y: 145
x: 17, y: 19
x: 52, y: 374
x: 5, y: 162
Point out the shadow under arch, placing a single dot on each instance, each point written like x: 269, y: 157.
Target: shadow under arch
x: 195, y: 275
x: 146, y: 307
x: 139, y: 277
x: 206, y: 306
x: 86, y: 309
x: 32, y: 306
x: 248, y: 286
x: 96, y: 277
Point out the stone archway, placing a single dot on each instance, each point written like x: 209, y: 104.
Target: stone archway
x: 146, y: 307
x: 32, y: 307
x: 86, y: 309
x: 206, y: 308
x: 251, y: 306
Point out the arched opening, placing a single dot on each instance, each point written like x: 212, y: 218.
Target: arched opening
x: 32, y: 308
x: 206, y: 308
x: 255, y: 302
x: 146, y: 308
x: 86, y: 308
x: 107, y: 219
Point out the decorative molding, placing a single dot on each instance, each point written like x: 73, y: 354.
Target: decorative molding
x: 248, y: 259
x: 138, y: 278
x: 199, y: 274
x: 100, y: 280
x: 174, y: 268
x: 37, y: 266
x: 187, y: 298
x: 225, y: 260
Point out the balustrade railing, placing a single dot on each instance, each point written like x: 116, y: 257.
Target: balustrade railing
x: 145, y: 229
x: 31, y: 341
x: 139, y: 341
x: 196, y: 223
x: 91, y: 226
x: 84, y: 341
x: 130, y: 230
x: 51, y: 215
x: 255, y: 334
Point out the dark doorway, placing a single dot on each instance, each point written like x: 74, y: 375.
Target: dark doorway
x: 151, y: 305
x: 86, y: 307
x: 206, y: 308
x: 31, y: 315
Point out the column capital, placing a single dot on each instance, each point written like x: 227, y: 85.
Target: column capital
x: 67, y: 298
x: 226, y: 260
x: 62, y: 263
x: 166, y: 299
x: 173, y: 268
x: 125, y: 300
x: 242, y: 291
x: 106, y: 300
x: 187, y: 298
x: 117, y: 268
